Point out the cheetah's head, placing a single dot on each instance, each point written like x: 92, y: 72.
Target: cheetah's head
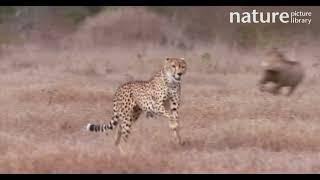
x: 175, y: 68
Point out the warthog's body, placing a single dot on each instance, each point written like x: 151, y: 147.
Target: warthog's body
x: 282, y: 72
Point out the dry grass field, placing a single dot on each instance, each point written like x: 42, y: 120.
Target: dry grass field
x: 49, y: 94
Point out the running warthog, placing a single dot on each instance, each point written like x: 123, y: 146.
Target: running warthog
x: 281, y: 71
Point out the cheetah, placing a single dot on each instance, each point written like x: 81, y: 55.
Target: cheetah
x: 152, y: 96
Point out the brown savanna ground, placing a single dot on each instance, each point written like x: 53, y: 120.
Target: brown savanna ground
x: 49, y: 94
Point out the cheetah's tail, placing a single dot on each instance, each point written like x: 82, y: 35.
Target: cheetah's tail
x: 101, y: 127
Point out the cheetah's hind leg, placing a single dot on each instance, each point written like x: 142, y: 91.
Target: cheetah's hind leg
x: 117, y: 142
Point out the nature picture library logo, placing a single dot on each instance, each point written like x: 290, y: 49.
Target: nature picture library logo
x: 295, y: 17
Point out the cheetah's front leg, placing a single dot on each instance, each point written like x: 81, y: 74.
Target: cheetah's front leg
x: 173, y: 116
x: 174, y: 121
x: 161, y: 110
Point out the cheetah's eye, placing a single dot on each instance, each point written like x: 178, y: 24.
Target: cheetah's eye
x: 173, y: 66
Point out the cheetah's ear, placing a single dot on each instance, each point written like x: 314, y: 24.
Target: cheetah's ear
x: 182, y: 58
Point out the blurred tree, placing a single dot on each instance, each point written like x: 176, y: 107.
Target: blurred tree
x: 6, y: 12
